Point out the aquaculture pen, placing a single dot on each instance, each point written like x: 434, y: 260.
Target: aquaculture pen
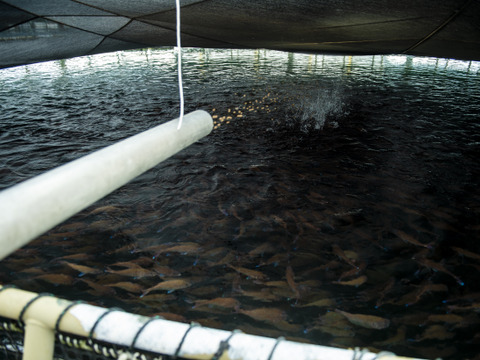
x: 43, y: 327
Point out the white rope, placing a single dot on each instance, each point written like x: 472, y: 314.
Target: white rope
x: 180, y: 83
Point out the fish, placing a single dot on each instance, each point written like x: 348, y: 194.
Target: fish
x: 99, y: 289
x: 221, y: 302
x: 278, y: 283
x: 260, y: 250
x: 278, y: 220
x: 134, y: 272
x: 186, y: 248
x: 127, y: 286
x: 445, y: 318
x: 429, y: 287
x: 137, y: 263
x: 157, y: 299
x: 407, y: 299
x: 435, y: 332
x: 397, y: 339
x: 234, y: 211
x: 264, y: 295
x: 438, y: 267
x: 82, y: 268
x: 215, y: 252
x: 72, y: 226
x: 56, y: 279
x: 168, y: 285
x: 228, y: 258
x: 268, y: 315
x: 339, y: 252
x: 32, y: 270
x: 275, y: 259
x: 361, y: 266
x: 284, y: 293
x: 286, y: 326
x: 475, y: 307
x: 203, y: 291
x: 241, y: 231
x: 410, y: 239
x: 385, y: 290
x: 291, y: 281
x: 252, y: 274
x: 222, y: 209
x: 79, y: 256
x: 466, y: 253
x: 63, y: 235
x: 171, y: 316
x: 326, y: 302
x: 366, y: 321
x: 334, y: 331
x: 104, y: 209
x: 354, y: 282
x: 306, y: 223
x: 165, y: 271
x: 102, y: 224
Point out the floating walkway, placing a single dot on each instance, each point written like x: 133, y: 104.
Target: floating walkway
x: 44, y: 327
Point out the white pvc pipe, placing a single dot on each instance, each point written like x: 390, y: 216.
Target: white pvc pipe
x: 158, y: 335
x: 32, y: 207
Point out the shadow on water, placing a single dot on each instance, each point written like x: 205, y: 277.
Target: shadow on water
x: 335, y: 202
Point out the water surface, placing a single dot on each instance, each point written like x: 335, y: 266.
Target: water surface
x: 329, y: 185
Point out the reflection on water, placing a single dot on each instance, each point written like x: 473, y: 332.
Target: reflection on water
x: 335, y: 202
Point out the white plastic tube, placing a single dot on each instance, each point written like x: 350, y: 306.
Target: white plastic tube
x: 32, y: 207
x: 158, y: 335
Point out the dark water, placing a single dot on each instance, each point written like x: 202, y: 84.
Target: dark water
x: 329, y: 184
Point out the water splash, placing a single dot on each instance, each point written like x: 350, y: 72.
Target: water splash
x: 319, y: 108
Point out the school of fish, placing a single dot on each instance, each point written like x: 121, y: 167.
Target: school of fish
x: 271, y: 247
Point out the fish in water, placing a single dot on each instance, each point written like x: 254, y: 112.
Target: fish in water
x: 435, y: 332
x: 268, y: 315
x: 98, y: 289
x: 128, y: 286
x: 186, y: 248
x: 168, y: 285
x: 386, y: 288
x: 466, y: 253
x: 56, y: 279
x: 134, y: 272
x: 341, y: 254
x: 354, y: 282
x: 222, y: 303
x: 326, y: 302
x: 366, y: 321
x: 82, y: 269
x: 291, y: 281
x: 410, y: 239
x: 440, y: 268
x: 253, y: 274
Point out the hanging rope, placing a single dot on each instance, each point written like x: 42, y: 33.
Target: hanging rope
x: 179, y: 70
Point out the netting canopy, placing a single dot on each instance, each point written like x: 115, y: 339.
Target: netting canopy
x: 39, y: 30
